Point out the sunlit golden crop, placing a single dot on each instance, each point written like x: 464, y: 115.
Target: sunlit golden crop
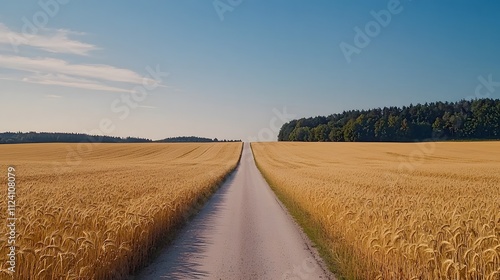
x: 396, y: 211
x: 102, y: 211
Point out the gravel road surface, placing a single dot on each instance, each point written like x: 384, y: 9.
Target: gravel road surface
x: 243, y: 232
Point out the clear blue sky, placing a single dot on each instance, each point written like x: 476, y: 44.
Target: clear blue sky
x: 226, y: 75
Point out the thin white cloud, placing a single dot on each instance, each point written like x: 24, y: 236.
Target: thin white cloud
x: 52, y: 96
x: 59, y: 72
x: 92, y: 71
x: 66, y: 81
x: 50, y: 40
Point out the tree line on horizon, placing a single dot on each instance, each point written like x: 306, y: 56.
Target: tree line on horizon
x: 194, y: 139
x: 57, y: 137
x: 463, y: 120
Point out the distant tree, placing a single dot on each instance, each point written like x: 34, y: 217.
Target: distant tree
x: 405, y: 130
x: 301, y: 134
x: 381, y: 130
x: 336, y: 135
x: 438, y: 126
x: 286, y: 130
x: 320, y: 133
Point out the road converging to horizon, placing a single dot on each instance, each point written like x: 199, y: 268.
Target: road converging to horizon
x: 243, y: 232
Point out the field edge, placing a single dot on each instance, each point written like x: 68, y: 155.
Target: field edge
x: 311, y: 228
x: 193, y: 210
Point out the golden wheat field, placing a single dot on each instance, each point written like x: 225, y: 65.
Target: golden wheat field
x: 395, y: 210
x: 98, y: 211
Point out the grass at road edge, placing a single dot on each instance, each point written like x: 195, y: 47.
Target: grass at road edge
x: 310, y: 227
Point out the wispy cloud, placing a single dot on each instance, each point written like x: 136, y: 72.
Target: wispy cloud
x: 50, y: 40
x: 60, y: 72
x: 68, y: 81
x: 52, y: 96
x: 52, y: 65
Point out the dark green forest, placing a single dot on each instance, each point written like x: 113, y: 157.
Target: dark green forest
x: 54, y: 137
x: 463, y: 120
x: 194, y: 139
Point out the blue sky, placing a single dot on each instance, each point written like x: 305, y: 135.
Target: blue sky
x: 232, y: 71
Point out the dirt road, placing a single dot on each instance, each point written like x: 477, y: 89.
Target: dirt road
x: 242, y: 233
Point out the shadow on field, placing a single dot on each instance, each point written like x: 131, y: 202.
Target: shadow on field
x: 182, y: 259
